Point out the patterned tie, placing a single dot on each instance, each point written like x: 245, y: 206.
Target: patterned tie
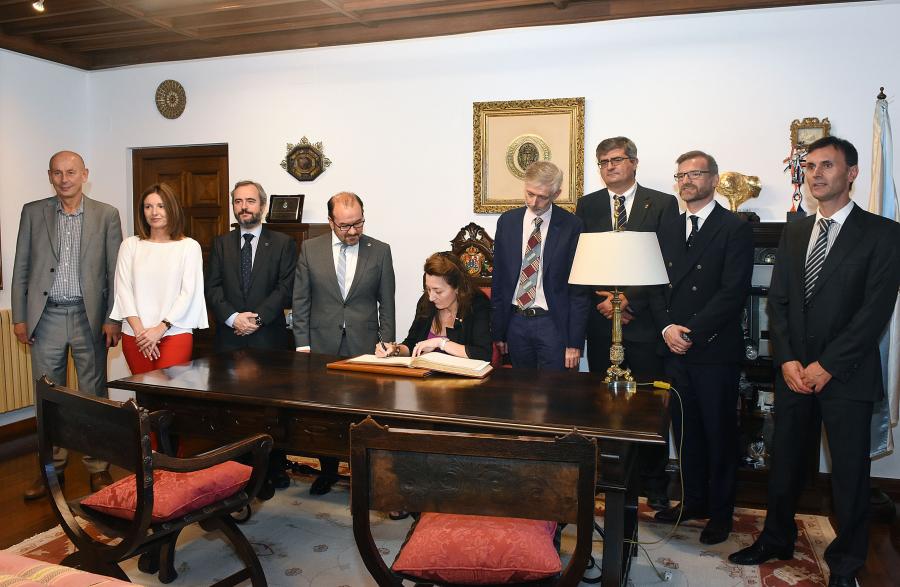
x: 817, y: 257
x: 694, y: 228
x: 531, y: 263
x: 621, y: 215
x: 246, y: 263
x: 342, y: 271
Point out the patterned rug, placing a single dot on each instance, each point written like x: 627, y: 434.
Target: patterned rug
x: 303, y: 540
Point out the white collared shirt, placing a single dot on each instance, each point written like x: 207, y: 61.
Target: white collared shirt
x: 352, y: 257
x: 703, y: 213
x: 540, y: 301
x: 839, y: 217
x: 629, y: 202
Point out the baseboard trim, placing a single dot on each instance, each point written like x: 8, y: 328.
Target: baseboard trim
x: 18, y: 429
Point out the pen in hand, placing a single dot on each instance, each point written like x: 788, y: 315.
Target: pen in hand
x: 381, y: 342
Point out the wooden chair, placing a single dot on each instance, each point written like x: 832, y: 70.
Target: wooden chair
x: 119, y: 432
x: 513, y: 477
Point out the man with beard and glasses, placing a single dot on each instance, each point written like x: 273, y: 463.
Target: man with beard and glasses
x: 249, y: 283
x: 708, y: 252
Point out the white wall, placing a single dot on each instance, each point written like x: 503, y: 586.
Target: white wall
x: 396, y: 118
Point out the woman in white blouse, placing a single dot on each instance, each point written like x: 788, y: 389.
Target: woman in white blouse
x: 159, y: 286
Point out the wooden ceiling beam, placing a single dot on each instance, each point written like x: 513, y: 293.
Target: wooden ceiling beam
x: 23, y: 12
x: 125, y: 7
x: 216, y: 7
x: 110, y: 19
x: 28, y: 46
x: 338, y: 6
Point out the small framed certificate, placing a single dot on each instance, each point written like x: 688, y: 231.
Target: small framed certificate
x: 285, y: 208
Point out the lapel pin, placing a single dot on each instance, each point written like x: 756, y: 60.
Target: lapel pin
x: 646, y: 205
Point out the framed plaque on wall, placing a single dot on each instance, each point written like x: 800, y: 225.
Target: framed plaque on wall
x: 285, y: 208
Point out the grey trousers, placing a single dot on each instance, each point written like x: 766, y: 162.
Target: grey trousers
x: 60, y: 329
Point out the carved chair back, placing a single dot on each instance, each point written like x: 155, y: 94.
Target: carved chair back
x: 476, y: 474
x: 474, y: 246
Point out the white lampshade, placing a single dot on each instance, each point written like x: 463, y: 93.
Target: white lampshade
x: 618, y: 259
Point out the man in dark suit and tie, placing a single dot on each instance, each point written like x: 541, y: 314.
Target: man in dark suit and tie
x: 537, y: 317
x: 250, y: 277
x: 625, y: 205
x: 833, y: 289
x: 709, y: 257
x: 62, y: 290
x: 343, y: 295
x: 249, y: 282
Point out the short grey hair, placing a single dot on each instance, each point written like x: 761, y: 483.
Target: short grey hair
x: 259, y: 190
x: 710, y: 161
x: 624, y: 143
x: 544, y: 173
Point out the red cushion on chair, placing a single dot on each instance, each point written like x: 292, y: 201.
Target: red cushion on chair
x: 174, y: 494
x: 477, y: 550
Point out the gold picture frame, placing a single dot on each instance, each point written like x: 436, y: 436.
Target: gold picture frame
x: 804, y: 132
x: 508, y: 135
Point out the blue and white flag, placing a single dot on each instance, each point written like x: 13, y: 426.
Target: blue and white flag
x: 883, y: 201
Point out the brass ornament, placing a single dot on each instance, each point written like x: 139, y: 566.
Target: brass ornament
x: 525, y: 150
x: 305, y: 161
x: 738, y: 188
x: 170, y: 99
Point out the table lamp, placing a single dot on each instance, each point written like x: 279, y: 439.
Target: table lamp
x: 617, y: 259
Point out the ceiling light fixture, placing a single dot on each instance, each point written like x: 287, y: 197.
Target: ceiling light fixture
x: 39, y: 5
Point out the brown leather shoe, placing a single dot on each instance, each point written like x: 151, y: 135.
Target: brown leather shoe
x: 100, y: 480
x: 38, y: 490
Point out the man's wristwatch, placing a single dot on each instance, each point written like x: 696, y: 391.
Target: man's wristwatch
x: 167, y: 323
x: 258, y: 321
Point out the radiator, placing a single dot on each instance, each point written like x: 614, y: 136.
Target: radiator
x: 16, y: 384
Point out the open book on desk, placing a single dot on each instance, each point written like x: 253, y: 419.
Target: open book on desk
x: 432, y: 361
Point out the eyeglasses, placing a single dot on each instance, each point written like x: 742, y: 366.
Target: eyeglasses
x: 696, y: 174
x: 604, y: 163
x: 347, y: 227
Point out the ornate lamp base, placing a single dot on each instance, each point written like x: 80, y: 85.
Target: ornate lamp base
x: 617, y: 378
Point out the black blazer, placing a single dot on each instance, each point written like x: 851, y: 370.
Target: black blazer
x: 568, y: 304
x: 648, y: 211
x: 708, y: 285
x: 472, y: 330
x: 271, y: 288
x: 850, y: 306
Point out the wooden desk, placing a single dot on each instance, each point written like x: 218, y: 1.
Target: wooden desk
x: 308, y: 408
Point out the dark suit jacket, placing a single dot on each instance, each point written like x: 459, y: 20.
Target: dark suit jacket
x: 850, y: 306
x: 271, y: 286
x: 708, y: 285
x: 568, y: 304
x: 648, y: 211
x: 472, y: 330
x: 37, y: 250
x: 320, y: 312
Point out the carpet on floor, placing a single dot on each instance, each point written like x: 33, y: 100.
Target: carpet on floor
x: 305, y: 540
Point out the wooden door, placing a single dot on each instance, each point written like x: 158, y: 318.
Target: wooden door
x: 199, y: 177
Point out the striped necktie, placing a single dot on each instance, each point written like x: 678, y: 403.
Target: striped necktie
x: 342, y: 271
x: 621, y: 216
x: 817, y: 257
x: 531, y: 264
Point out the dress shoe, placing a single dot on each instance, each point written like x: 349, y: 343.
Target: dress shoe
x: 100, y: 481
x: 841, y: 581
x: 279, y: 479
x: 658, y: 502
x: 715, y: 532
x: 398, y: 515
x: 670, y: 515
x: 322, y: 484
x: 38, y: 489
x: 758, y: 553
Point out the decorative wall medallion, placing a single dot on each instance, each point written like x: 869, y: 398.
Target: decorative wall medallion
x: 524, y: 151
x: 305, y: 161
x: 170, y: 99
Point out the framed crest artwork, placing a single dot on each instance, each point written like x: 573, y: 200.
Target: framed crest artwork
x: 509, y: 136
x: 285, y: 208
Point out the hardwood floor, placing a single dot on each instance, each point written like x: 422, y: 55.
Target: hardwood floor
x: 23, y: 519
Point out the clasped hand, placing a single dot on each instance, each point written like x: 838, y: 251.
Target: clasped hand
x: 606, y: 307
x: 148, y: 339
x: 245, y: 323
x: 806, y: 380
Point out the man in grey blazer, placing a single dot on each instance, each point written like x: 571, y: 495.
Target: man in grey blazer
x: 62, y: 289
x: 343, y: 295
